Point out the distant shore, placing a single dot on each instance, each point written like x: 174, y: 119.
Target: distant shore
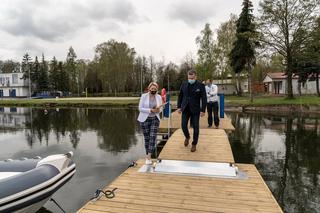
x: 72, y: 102
x: 232, y: 103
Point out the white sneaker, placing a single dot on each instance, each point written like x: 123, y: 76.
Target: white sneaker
x: 148, y: 162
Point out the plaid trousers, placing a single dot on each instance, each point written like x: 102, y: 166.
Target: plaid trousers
x: 150, y: 129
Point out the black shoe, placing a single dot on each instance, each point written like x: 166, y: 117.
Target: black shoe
x: 209, y: 126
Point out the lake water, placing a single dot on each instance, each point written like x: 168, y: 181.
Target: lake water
x: 286, y: 150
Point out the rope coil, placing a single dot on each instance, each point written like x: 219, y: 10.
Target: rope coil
x: 133, y: 164
x: 108, y: 193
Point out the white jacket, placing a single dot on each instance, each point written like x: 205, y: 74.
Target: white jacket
x: 144, y: 107
x: 212, y: 93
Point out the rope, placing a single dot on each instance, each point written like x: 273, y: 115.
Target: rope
x: 55, y: 202
x: 108, y: 193
x: 133, y: 164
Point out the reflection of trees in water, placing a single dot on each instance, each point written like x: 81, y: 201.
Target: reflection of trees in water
x: 115, y: 127
x: 292, y: 177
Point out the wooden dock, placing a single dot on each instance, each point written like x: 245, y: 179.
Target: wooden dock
x: 153, y: 192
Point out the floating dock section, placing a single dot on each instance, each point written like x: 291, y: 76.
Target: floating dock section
x: 160, y: 192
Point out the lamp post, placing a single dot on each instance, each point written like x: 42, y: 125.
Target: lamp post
x: 29, y: 79
x: 141, y: 80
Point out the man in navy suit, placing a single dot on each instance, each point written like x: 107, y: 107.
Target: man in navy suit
x: 191, y: 92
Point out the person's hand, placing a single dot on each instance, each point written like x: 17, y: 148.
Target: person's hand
x: 179, y: 110
x: 155, y: 110
x: 202, y: 114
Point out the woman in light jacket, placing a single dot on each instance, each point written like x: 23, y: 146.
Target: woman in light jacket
x: 150, y: 106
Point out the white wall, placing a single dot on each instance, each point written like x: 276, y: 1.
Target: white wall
x: 309, y: 87
x: 20, y: 91
x: 9, y: 81
x: 227, y: 89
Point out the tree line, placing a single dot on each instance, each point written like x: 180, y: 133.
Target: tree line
x: 284, y: 36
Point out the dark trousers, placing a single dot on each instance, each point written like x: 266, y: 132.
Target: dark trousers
x: 213, y: 107
x: 194, y: 120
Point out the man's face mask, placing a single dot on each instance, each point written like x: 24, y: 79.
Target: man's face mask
x: 191, y: 81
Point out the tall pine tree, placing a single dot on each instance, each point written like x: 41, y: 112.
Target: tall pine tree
x: 35, y: 74
x: 71, y: 68
x: 63, y: 78
x: 26, y: 67
x: 53, y: 74
x: 242, y: 56
x: 206, y: 61
x: 43, y: 80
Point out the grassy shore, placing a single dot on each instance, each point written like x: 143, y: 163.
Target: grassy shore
x: 133, y: 101
x: 72, y: 102
x: 271, y: 101
x: 268, y: 101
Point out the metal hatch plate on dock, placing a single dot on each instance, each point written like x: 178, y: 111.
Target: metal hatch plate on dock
x: 178, y: 167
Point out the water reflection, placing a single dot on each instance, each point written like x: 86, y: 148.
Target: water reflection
x: 104, y: 141
x: 41, y: 123
x: 286, y: 151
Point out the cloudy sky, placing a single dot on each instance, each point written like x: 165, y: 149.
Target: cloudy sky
x: 165, y: 29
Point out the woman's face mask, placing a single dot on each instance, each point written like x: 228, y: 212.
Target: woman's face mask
x: 153, y: 92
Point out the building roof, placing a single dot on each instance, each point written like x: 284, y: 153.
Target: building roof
x: 278, y: 75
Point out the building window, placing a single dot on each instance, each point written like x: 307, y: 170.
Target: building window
x: 280, y: 85
x: 13, y: 109
x: 14, y: 78
x: 7, y: 82
x: 1, y: 93
x: 2, y: 81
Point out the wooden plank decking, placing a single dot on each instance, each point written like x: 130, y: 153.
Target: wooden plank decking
x: 213, y: 146
x: 153, y: 192
x: 225, y: 123
x: 149, y: 192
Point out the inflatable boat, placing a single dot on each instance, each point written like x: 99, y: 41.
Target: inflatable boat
x: 27, y: 184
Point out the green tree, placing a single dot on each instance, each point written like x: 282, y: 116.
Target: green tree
x: 285, y: 27
x: 26, y: 67
x: 226, y: 36
x: 114, y: 62
x: 206, y: 61
x: 82, y: 69
x: 307, y: 63
x: 71, y: 68
x: 43, y: 79
x: 53, y: 74
x: 92, y: 81
x: 62, y: 77
x: 35, y: 74
x: 276, y: 63
x: 9, y: 66
x: 242, y: 56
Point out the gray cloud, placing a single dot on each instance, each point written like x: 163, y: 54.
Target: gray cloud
x: 192, y: 12
x: 56, y: 20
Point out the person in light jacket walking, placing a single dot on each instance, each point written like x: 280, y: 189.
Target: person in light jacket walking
x: 212, y: 103
x: 150, y: 106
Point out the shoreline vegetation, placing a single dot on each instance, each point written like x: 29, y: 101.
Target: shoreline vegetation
x: 230, y: 101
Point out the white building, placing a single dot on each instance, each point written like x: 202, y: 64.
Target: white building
x: 14, y: 117
x: 13, y: 85
x: 227, y: 86
x: 276, y: 83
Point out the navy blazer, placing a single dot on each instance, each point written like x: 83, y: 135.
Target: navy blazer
x: 193, y: 100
